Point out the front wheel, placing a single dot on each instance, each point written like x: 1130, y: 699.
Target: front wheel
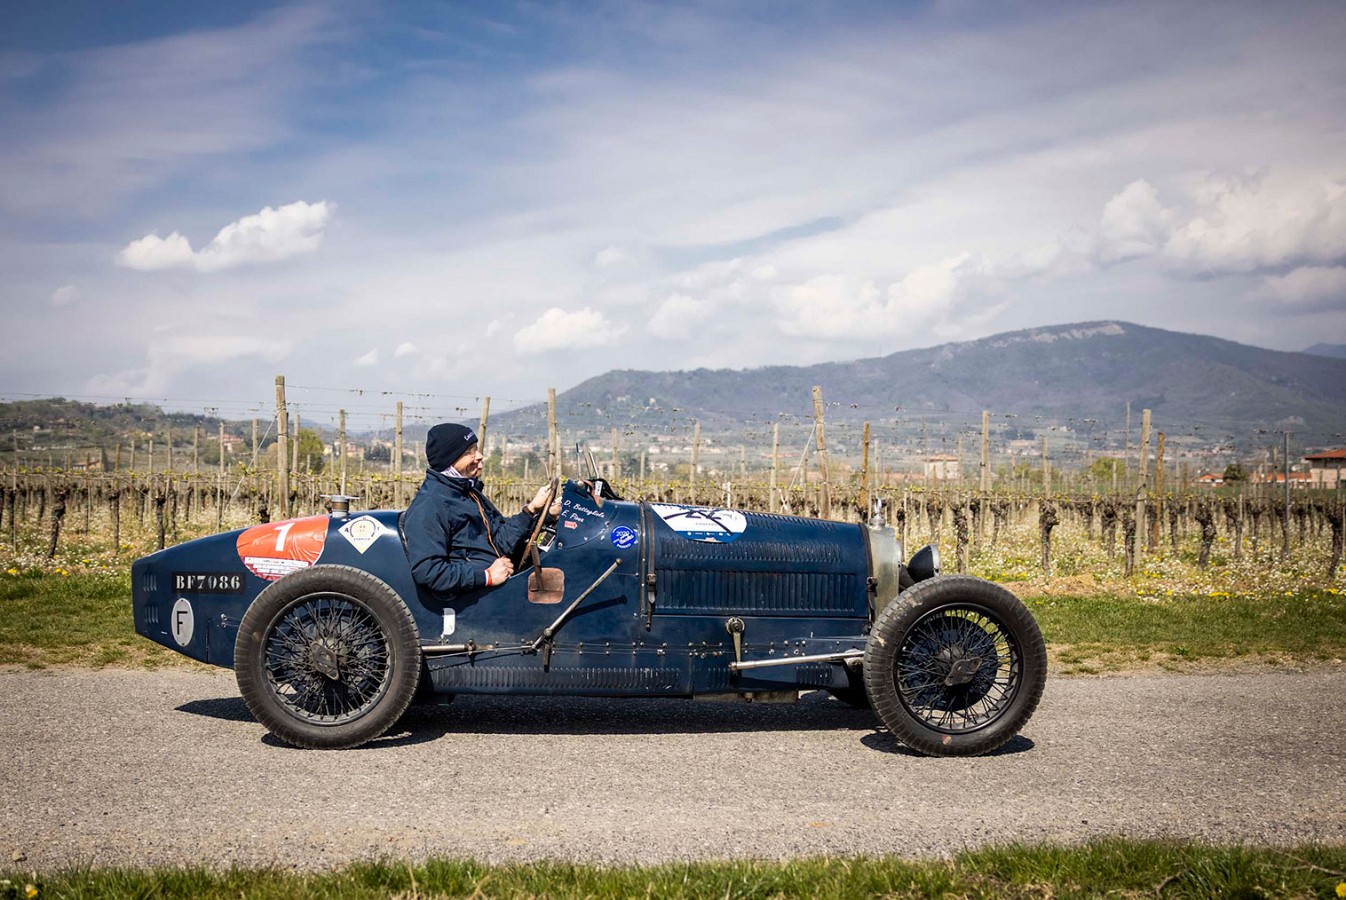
x: 327, y: 658
x: 955, y: 666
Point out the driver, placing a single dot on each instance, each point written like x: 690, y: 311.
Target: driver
x: 457, y: 541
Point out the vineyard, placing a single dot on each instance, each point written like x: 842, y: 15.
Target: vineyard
x: 1199, y: 542
x: 1110, y: 523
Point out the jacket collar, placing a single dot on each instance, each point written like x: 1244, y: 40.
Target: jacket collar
x: 462, y: 485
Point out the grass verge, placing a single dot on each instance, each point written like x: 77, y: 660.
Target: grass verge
x: 1094, y: 634
x: 1113, y: 868
x: 76, y: 619
x: 84, y: 619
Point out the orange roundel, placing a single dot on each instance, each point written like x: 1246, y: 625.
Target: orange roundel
x: 276, y: 549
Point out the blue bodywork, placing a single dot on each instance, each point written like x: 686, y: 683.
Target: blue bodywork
x: 657, y: 625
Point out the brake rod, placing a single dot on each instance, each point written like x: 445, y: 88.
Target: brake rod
x: 554, y: 627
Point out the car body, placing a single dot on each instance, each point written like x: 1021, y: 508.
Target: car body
x: 331, y: 638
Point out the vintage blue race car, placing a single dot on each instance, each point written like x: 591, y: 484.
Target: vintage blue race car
x: 331, y: 639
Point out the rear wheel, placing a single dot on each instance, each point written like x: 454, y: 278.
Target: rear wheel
x: 327, y: 658
x: 955, y: 666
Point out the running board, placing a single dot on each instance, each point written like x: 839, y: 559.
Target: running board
x: 839, y: 657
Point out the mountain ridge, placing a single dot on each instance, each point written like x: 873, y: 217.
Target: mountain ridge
x: 1080, y: 372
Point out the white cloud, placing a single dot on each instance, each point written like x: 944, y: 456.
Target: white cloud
x: 929, y: 289
x: 1134, y: 224
x: 557, y: 329
x: 267, y: 236
x: 64, y: 295
x: 837, y: 306
x: 171, y: 356
x: 406, y: 348
x: 611, y: 255
x: 153, y: 252
x: 679, y: 316
x: 493, y: 328
x: 1309, y: 287
x: 1244, y: 226
x: 367, y: 359
x: 830, y: 306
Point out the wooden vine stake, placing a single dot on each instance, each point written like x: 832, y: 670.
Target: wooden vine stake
x: 481, y: 426
x: 553, y: 438
x: 397, y: 457
x: 341, y: 450
x: 825, y: 502
x: 696, y: 456
x: 282, y: 449
x: 864, y: 477
x: 773, y: 504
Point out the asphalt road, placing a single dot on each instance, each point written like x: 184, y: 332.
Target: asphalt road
x: 153, y: 768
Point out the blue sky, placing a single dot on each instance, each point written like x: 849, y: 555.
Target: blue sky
x: 460, y: 199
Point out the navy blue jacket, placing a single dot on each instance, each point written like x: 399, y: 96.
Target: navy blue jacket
x: 454, y: 534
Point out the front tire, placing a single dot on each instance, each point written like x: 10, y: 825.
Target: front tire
x: 955, y: 666
x: 327, y: 658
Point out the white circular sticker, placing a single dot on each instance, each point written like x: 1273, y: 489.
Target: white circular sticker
x: 183, y: 622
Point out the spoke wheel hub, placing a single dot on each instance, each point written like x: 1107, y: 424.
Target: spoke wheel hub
x: 327, y: 659
x: 962, y: 670
x: 958, y: 669
x: 324, y: 660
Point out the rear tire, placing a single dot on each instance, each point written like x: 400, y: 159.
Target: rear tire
x: 327, y: 658
x: 955, y: 666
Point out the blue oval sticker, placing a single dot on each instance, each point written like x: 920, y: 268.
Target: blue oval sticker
x: 623, y: 537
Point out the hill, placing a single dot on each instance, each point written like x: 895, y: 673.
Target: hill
x: 1076, y: 378
x: 1079, y: 373
x: 1336, y: 351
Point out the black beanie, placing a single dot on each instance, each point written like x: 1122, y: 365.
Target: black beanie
x: 445, y: 443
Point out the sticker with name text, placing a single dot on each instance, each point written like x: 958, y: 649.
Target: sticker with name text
x: 362, y: 532
x: 702, y: 523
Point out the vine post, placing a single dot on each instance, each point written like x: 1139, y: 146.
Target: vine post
x: 864, y: 477
x: 696, y: 457
x: 341, y: 448
x: 1143, y: 451
x: 282, y: 449
x: 984, y: 470
x: 397, y: 457
x: 772, y: 500
x: 1158, y: 493
x: 553, y: 439
x: 825, y: 509
x: 481, y: 426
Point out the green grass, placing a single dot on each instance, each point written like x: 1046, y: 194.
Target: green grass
x: 1114, y: 868
x: 85, y: 619
x: 76, y: 619
x: 1107, y: 632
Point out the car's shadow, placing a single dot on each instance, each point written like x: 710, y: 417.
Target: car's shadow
x: 883, y: 741
x: 485, y: 714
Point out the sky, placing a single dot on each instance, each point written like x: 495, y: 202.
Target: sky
x: 441, y: 201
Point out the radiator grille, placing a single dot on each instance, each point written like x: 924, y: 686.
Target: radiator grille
x: 149, y: 596
x: 782, y: 593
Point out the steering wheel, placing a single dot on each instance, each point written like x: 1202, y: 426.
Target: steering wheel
x: 531, y: 545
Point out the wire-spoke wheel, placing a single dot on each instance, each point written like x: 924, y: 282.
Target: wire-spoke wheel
x: 955, y: 666
x: 327, y: 657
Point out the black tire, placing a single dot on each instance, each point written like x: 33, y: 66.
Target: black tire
x: 955, y: 666
x: 327, y: 658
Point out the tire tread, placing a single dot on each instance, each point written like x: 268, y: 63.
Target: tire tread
x: 386, y: 605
